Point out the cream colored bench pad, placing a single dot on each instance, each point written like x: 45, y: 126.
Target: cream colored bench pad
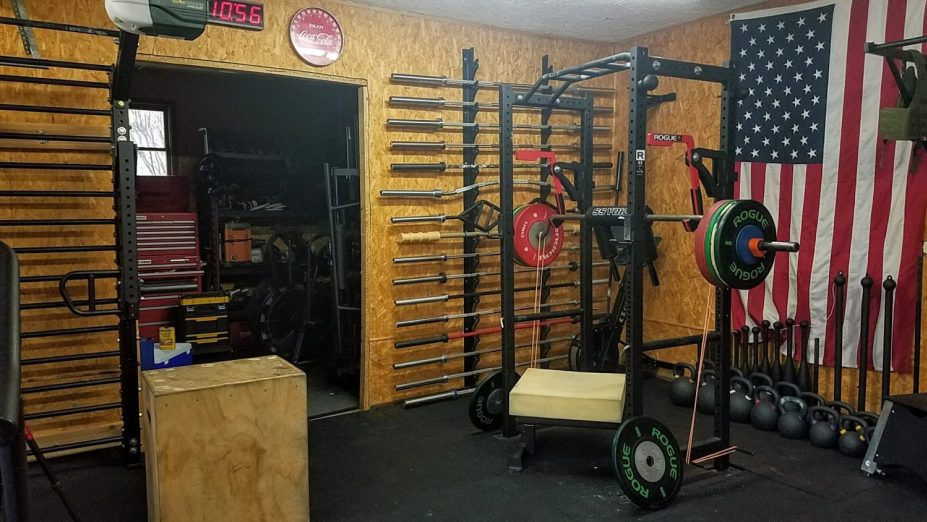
x: 559, y: 394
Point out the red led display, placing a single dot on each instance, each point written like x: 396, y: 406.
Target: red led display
x: 237, y: 13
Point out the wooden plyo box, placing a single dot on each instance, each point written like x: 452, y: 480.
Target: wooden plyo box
x: 227, y: 441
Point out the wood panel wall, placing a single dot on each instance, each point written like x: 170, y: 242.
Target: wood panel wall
x: 90, y: 50
x: 677, y: 306
x: 379, y: 43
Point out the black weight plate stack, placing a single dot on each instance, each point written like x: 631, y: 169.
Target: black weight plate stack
x: 486, y: 403
x: 646, y: 460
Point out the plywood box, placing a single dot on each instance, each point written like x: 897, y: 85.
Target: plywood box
x: 227, y: 441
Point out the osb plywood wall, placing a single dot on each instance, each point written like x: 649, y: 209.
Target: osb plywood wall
x: 379, y: 43
x: 74, y: 48
x: 677, y: 306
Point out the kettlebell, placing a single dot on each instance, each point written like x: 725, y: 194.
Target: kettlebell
x: 682, y: 391
x: 842, y: 408
x: 758, y: 378
x: 741, y: 399
x: 792, y: 423
x: 787, y: 389
x: 852, y: 441
x: 706, y: 393
x: 823, y: 431
x: 765, y: 412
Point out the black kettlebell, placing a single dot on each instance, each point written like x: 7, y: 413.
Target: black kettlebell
x: 792, y: 423
x: 682, y: 391
x: 852, y: 441
x: 741, y: 399
x: 823, y: 431
x: 765, y: 412
x: 842, y: 408
x: 812, y: 399
x: 787, y: 389
x: 706, y: 393
x: 758, y: 379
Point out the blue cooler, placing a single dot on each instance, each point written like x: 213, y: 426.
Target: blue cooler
x: 154, y: 358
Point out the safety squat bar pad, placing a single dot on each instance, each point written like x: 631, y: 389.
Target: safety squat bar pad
x: 470, y: 245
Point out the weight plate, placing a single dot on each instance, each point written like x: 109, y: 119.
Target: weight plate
x: 712, y: 244
x: 486, y: 403
x: 735, y: 265
x: 646, y: 460
x: 530, y: 222
x: 576, y: 354
x: 700, y: 245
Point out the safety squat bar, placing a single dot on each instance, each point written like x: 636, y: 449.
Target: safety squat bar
x: 644, y: 71
x: 125, y: 305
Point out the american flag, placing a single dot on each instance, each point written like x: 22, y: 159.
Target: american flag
x: 808, y: 147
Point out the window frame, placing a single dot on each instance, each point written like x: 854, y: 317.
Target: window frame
x: 164, y: 108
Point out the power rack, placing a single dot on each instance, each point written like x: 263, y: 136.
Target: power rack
x: 644, y: 72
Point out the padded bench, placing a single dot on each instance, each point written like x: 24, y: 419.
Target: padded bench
x: 570, y: 396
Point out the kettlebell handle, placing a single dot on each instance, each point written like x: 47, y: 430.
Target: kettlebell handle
x: 761, y: 390
x: 761, y: 376
x: 796, y: 391
x: 841, y: 407
x: 791, y: 399
x: 747, y: 386
x: 846, y: 420
x: 811, y: 397
x: 827, y: 411
x: 679, y: 370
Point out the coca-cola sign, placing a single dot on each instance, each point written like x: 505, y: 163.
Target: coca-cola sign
x: 316, y: 36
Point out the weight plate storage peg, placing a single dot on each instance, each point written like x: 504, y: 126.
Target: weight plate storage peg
x: 486, y: 403
x: 646, y: 460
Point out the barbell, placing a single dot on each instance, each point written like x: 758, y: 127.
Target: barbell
x: 734, y: 244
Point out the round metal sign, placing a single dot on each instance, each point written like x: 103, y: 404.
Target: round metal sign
x: 316, y: 36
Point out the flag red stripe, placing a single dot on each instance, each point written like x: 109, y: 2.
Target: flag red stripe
x: 756, y: 296
x: 781, y: 279
x: 809, y: 229
x: 848, y: 158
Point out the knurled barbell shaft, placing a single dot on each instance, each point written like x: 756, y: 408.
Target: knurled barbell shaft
x: 450, y: 357
x: 447, y: 297
x: 409, y: 101
x: 450, y: 257
x: 446, y: 378
x: 443, y: 145
x: 438, y: 124
x: 443, y: 278
x: 448, y: 317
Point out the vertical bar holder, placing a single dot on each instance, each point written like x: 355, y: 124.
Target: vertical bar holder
x: 722, y: 352
x: 918, y: 311
x: 507, y: 99
x: 635, y: 232
x: 470, y: 65
x: 586, y: 248
x: 544, y: 193
x: 124, y: 158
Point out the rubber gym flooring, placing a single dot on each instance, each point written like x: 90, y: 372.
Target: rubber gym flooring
x: 430, y: 463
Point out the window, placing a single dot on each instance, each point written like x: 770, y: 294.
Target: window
x: 149, y: 132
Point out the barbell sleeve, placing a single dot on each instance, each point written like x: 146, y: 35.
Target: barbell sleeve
x: 410, y: 167
x: 391, y: 193
x: 428, y: 80
x: 420, y: 124
x: 439, y: 218
x: 778, y: 246
x: 438, y: 397
x: 426, y: 102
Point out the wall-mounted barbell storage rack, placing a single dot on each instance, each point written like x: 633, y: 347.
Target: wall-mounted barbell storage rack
x: 644, y: 72
x: 470, y: 170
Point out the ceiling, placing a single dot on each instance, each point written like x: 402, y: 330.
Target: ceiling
x: 602, y: 20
